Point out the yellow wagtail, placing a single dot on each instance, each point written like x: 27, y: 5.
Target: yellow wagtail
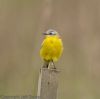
x: 51, y: 48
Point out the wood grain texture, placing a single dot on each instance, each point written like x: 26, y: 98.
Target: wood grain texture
x: 48, y: 84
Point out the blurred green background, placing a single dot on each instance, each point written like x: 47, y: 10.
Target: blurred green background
x: 21, y: 25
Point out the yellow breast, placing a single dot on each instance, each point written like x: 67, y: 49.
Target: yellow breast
x: 52, y: 48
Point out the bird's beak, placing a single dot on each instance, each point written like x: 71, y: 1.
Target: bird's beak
x: 44, y: 33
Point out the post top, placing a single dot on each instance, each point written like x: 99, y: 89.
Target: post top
x: 50, y: 69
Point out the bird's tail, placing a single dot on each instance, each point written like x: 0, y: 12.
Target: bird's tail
x: 46, y: 64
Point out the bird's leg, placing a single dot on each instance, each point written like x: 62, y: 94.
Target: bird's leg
x: 46, y: 64
x: 53, y: 64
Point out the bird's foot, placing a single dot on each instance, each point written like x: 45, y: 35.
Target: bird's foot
x: 45, y: 66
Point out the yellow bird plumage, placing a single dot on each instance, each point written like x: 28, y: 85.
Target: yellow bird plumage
x: 52, y: 47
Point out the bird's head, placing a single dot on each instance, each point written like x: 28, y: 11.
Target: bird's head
x: 51, y: 32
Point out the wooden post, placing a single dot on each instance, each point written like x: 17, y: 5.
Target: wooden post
x: 48, y: 83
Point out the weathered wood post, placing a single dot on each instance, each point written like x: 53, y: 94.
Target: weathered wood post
x: 48, y: 84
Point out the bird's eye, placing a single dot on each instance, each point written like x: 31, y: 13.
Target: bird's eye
x: 52, y: 33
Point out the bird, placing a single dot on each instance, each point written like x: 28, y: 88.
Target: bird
x: 51, y: 48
